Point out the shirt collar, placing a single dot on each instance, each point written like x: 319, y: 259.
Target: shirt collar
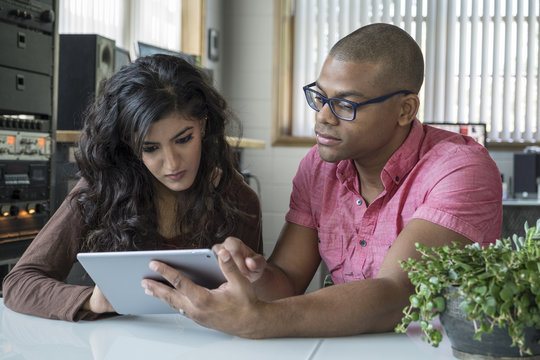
x: 399, y: 164
x: 404, y: 159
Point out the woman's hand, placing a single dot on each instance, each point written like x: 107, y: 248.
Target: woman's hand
x: 98, y: 303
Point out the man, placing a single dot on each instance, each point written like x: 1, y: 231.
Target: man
x: 377, y: 182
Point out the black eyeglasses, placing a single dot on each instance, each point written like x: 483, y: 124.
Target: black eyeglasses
x: 342, y: 108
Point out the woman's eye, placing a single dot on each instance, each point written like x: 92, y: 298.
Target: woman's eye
x: 184, y: 139
x: 149, y: 149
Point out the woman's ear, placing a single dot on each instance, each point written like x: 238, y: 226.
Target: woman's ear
x: 409, y: 108
x: 203, y: 125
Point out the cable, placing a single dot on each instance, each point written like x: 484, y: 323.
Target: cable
x: 248, y: 176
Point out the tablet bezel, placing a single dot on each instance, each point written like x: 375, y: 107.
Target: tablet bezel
x: 119, y: 274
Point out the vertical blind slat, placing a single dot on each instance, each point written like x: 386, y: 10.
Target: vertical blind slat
x: 474, y: 56
x: 531, y: 48
x: 419, y: 19
x: 538, y: 87
x: 496, y: 80
x: 344, y: 11
x: 408, y: 19
x: 449, y: 93
x: 440, y: 63
x: 311, y: 67
x: 386, y: 11
x: 301, y: 56
x: 484, y: 89
x: 518, y: 97
x: 376, y: 16
x: 430, y: 62
x: 507, y: 76
x: 332, y: 23
x: 462, y: 73
x: 397, y: 18
x: 364, y: 12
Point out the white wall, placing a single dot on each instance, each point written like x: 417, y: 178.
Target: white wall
x: 247, y: 84
x: 214, y: 20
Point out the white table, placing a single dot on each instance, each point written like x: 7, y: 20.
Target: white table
x: 163, y: 337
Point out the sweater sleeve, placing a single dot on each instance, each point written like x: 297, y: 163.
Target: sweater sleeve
x: 249, y: 227
x: 36, y: 284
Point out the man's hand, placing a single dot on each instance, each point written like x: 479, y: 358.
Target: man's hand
x: 250, y: 263
x: 232, y: 308
x: 98, y: 303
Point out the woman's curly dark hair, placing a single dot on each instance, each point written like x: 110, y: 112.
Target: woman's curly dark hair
x: 116, y: 201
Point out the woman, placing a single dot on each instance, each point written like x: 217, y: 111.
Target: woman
x: 156, y: 173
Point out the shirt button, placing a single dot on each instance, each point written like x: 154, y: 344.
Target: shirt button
x: 359, y: 202
x: 363, y: 243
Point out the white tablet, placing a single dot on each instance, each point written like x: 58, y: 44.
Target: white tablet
x: 119, y: 275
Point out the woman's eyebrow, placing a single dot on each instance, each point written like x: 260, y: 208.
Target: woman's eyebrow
x: 180, y: 133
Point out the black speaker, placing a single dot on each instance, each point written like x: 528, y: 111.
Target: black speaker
x: 526, y: 175
x: 85, y: 60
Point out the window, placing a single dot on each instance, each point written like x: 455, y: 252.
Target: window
x: 481, y: 60
x: 157, y: 22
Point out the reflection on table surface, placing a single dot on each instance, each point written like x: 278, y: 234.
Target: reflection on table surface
x: 176, y: 337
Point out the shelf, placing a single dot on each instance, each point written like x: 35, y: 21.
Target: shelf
x: 71, y: 136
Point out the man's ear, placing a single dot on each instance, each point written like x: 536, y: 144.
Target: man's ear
x: 409, y: 108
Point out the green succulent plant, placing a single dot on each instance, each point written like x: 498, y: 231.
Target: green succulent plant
x: 499, y: 285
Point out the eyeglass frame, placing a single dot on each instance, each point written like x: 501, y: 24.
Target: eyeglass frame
x: 325, y: 100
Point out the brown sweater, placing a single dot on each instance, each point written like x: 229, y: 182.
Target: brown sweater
x: 36, y: 284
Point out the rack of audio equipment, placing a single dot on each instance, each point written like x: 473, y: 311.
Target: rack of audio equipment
x: 28, y: 92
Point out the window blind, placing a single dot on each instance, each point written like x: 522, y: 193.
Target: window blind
x: 481, y: 58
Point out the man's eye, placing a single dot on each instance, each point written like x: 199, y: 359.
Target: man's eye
x: 184, y: 139
x: 343, y: 105
x: 149, y: 149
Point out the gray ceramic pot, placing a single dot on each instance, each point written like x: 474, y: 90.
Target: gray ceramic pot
x: 496, y: 345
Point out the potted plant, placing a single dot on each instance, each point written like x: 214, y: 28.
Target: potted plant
x: 490, y: 290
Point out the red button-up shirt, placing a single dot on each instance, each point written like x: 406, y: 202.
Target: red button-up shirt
x: 439, y: 176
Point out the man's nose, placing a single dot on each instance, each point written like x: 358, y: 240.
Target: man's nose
x: 326, y: 116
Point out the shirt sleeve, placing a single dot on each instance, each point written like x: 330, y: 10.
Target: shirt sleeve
x: 302, y: 195
x: 465, y: 196
x: 36, y: 284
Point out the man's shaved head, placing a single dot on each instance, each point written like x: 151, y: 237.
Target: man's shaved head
x: 399, y: 56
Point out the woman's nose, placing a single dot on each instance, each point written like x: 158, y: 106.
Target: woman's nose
x: 171, y: 159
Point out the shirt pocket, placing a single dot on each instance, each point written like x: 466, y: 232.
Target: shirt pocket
x: 375, y: 253
x: 331, y: 251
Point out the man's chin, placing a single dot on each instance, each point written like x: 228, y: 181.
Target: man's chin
x: 328, y: 155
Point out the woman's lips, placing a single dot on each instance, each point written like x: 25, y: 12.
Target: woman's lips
x: 327, y: 140
x: 177, y: 176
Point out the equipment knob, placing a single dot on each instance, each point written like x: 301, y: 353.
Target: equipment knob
x: 47, y: 16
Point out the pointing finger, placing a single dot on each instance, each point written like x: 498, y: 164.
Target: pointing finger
x: 228, y: 266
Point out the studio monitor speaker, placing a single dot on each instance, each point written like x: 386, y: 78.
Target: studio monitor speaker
x: 85, y: 60
x: 526, y: 175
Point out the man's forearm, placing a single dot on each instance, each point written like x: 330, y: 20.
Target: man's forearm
x: 365, y: 306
